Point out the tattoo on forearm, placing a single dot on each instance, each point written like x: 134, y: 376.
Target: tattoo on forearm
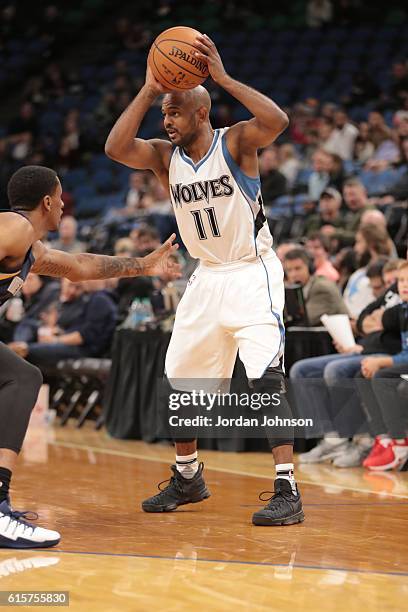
x: 104, y: 266
x: 86, y: 266
x: 52, y: 268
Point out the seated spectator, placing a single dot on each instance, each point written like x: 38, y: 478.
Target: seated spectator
x: 37, y: 294
x: 289, y: 164
x: 145, y: 239
x: 328, y: 214
x: 323, y: 388
x: 356, y: 201
x: 137, y: 190
x: 284, y: 247
x: 345, y: 263
x: 318, y: 246
x: 375, y: 277
x: 378, y: 129
x: 342, y: 139
x: 321, y: 295
x: 320, y: 177
x: 273, y: 181
x: 387, y: 409
x: 371, y: 243
x: 318, y: 13
x: 67, y: 237
x: 363, y: 147
x: 81, y: 325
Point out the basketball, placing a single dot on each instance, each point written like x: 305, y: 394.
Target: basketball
x: 172, y: 59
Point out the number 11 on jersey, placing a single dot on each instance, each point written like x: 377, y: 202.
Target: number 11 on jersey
x: 212, y: 219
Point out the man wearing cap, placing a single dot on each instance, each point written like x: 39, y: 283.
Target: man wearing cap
x: 329, y: 215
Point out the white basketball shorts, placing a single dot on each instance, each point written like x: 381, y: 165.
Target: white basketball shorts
x: 229, y: 308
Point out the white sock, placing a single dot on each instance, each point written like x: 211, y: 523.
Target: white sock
x: 285, y: 471
x: 187, y: 465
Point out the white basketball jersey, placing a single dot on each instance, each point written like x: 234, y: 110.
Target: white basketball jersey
x: 219, y: 209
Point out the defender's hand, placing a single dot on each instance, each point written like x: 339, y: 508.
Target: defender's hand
x: 208, y: 53
x: 160, y: 261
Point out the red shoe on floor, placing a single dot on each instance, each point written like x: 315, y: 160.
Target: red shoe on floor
x: 387, y: 454
x: 377, y: 449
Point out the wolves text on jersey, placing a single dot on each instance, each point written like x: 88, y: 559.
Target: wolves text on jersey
x: 201, y: 190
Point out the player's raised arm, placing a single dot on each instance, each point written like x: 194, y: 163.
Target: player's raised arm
x: 87, y: 266
x: 269, y: 120
x: 123, y: 147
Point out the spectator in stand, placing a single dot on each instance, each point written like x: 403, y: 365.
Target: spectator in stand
x: 342, y: 139
x: 128, y: 289
x: 363, y: 147
x: 399, y: 191
x: 70, y: 147
x: 324, y: 131
x: 319, y: 13
x: 137, y: 189
x: 371, y: 244
x: 284, y: 247
x: 356, y: 201
x: 377, y: 129
x: 345, y: 263
x: 318, y: 246
x: 321, y: 295
x: 375, y: 277
x: 37, y: 295
x: 329, y: 394
x: 145, y: 239
x: 81, y: 326
x: 376, y: 217
x: 328, y: 213
x: 67, y: 237
x: 320, y: 177
x: 387, y: 409
x: 273, y: 181
x: 289, y: 164
x: 390, y: 272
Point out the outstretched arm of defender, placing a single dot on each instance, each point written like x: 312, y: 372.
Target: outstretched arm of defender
x: 268, y: 121
x: 86, y: 266
x: 122, y: 146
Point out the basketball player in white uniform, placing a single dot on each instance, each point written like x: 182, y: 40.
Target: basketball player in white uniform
x: 235, y: 298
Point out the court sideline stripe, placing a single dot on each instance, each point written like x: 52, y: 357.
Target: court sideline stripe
x: 129, y: 455
x: 230, y: 561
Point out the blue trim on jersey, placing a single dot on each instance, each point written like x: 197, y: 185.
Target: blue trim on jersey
x: 277, y: 317
x: 249, y: 184
x: 236, y: 172
x: 190, y: 162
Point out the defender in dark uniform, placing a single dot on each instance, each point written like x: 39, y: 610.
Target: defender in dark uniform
x: 36, y: 207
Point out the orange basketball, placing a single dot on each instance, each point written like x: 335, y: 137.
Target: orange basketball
x: 172, y: 60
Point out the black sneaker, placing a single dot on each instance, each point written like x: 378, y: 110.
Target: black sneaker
x: 284, y: 507
x: 178, y: 492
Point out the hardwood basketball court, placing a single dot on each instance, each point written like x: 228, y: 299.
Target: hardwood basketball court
x: 351, y: 551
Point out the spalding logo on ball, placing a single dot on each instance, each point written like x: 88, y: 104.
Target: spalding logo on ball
x: 172, y: 59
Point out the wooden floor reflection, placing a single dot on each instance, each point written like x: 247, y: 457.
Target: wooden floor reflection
x: 352, y: 550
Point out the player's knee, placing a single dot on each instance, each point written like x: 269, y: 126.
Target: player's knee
x: 272, y: 380
x: 30, y: 377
